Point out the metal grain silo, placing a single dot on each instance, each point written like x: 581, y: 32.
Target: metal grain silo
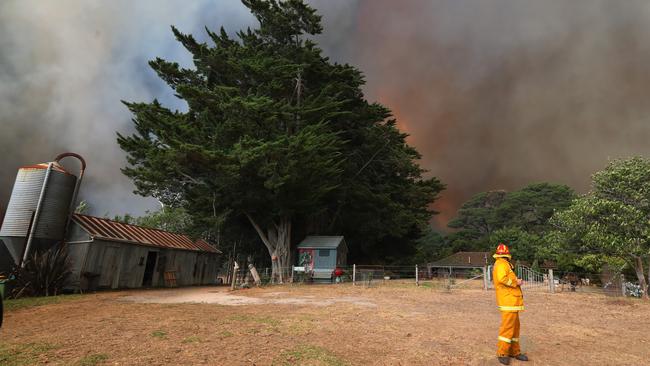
x: 39, y: 208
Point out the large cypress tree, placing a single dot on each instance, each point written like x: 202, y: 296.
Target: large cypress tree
x: 278, y: 134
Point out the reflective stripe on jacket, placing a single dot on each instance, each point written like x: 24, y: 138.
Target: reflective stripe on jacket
x: 509, y: 296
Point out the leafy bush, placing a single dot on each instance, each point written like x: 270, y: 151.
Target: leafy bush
x: 44, y: 274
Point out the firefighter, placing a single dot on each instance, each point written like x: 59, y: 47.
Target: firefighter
x: 1, y: 310
x: 2, y: 281
x: 510, y: 302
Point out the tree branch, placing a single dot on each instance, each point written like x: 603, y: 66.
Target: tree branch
x: 192, y: 179
x: 261, y: 234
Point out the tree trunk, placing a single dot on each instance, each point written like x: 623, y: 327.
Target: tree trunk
x: 638, y: 268
x: 645, y: 294
x: 280, y: 236
x: 277, y: 239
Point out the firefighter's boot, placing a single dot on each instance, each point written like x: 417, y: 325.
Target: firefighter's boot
x: 521, y: 357
x: 504, y: 360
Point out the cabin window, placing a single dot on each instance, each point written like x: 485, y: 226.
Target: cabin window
x: 323, y: 252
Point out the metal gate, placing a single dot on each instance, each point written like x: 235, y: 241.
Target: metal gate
x: 533, y: 280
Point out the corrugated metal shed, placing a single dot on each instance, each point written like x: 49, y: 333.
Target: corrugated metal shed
x: 105, y: 229
x: 108, y: 254
x: 322, y: 242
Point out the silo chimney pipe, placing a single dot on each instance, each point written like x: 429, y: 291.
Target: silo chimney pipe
x: 37, y: 213
x: 76, y: 187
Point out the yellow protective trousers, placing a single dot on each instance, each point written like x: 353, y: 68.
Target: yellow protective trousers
x: 508, y: 335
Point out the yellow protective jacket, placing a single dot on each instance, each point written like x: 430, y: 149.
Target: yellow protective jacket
x: 509, y: 296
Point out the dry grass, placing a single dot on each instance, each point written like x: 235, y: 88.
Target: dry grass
x: 396, y: 324
x: 92, y: 360
x: 29, y: 302
x: 24, y: 353
x: 309, y: 355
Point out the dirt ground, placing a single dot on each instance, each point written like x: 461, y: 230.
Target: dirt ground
x: 321, y: 325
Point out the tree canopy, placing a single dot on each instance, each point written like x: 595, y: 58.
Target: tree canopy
x: 279, y: 135
x: 610, y: 224
x: 531, y: 207
x: 175, y: 220
x: 518, y: 218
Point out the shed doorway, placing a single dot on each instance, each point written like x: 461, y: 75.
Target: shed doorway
x: 149, y: 268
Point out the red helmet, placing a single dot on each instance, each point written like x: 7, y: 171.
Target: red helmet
x: 502, y: 250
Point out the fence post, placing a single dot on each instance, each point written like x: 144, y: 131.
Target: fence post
x: 488, y: 274
x: 234, y: 275
x: 354, y: 275
x: 551, y: 281
x: 417, y: 276
x: 623, y: 285
x: 485, y: 279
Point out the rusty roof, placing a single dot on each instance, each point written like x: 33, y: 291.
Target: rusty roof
x: 101, y: 228
x: 465, y: 259
x: 55, y: 166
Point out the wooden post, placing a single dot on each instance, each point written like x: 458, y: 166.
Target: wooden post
x: 354, y: 275
x: 417, y: 276
x: 623, y: 285
x: 256, y: 276
x: 485, y: 279
x: 228, y: 272
x: 551, y: 281
x: 234, y: 275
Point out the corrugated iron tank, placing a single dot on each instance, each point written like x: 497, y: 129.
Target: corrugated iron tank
x: 41, y: 197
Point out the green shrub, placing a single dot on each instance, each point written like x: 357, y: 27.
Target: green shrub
x: 44, y: 274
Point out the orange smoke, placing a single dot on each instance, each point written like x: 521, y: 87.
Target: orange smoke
x: 501, y: 97
x: 411, y: 89
x: 446, y: 207
x: 388, y: 99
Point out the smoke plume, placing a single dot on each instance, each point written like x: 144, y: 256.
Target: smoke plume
x: 65, y: 66
x: 496, y: 94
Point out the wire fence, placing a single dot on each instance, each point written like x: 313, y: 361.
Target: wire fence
x: 358, y: 275
x: 246, y: 277
x: 609, y: 282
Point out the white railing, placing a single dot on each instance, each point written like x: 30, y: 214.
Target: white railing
x: 533, y: 280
